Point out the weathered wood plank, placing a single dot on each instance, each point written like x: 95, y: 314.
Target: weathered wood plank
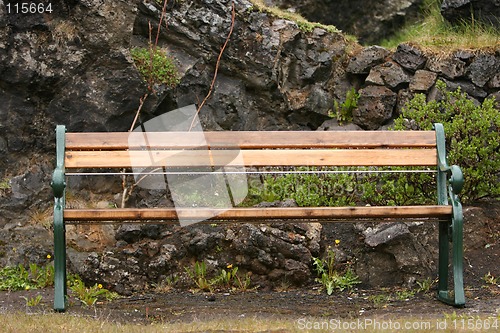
x: 257, y: 213
x: 196, y: 158
x: 249, y: 139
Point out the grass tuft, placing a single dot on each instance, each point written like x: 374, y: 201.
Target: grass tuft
x: 434, y: 32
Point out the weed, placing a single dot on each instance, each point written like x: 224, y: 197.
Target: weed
x: 404, y: 295
x: 226, y: 278
x: 490, y: 279
x: 243, y: 284
x: 5, y: 184
x: 33, y: 301
x: 330, y: 278
x: 90, y: 295
x: 64, y: 32
x: 199, y: 276
x: 20, y: 278
x: 167, y: 284
x: 283, y: 286
x: 5, y: 187
x: 425, y: 285
x: 379, y: 299
x: 42, y: 217
x: 343, y: 111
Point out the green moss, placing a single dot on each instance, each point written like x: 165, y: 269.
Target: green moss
x: 155, y: 66
x: 302, y: 23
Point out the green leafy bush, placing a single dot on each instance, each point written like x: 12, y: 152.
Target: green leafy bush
x: 311, y: 187
x: 472, y: 135
x: 155, y: 66
x: 308, y: 187
x: 399, y: 189
x: 473, y: 143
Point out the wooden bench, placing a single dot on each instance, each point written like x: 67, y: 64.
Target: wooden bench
x: 103, y: 152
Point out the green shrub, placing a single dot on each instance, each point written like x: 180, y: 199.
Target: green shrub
x: 400, y: 189
x: 308, y: 187
x: 472, y: 136
x: 311, y: 187
x: 155, y: 66
x: 473, y: 143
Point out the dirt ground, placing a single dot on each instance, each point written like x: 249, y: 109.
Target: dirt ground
x: 482, y: 254
x: 184, y: 306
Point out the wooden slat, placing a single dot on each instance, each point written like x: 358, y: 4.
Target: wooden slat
x: 256, y: 213
x: 194, y: 158
x: 250, y: 139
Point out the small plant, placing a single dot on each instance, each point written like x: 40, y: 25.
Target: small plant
x: 155, y: 66
x: 330, y: 278
x: 199, y: 276
x: 20, y: 278
x: 167, y: 284
x: 425, y: 285
x: 33, y: 301
x: 226, y: 278
x: 90, y: 295
x: 404, y: 295
x: 5, y: 187
x: 42, y: 217
x: 243, y: 284
x: 490, y: 279
x: 4, y: 184
x: 343, y: 111
x: 379, y: 299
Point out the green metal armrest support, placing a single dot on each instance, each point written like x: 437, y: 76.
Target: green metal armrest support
x: 59, y: 188
x: 450, y: 182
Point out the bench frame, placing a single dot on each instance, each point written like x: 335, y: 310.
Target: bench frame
x: 449, y: 184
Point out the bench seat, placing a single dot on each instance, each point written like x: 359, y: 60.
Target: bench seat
x: 255, y: 214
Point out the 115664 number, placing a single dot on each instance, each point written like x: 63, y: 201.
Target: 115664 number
x: 29, y: 8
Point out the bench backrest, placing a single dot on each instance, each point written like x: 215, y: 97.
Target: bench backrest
x: 254, y: 149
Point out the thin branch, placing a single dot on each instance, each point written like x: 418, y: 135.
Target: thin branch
x: 217, y: 64
x: 141, y: 104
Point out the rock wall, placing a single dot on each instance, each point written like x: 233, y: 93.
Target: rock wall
x: 74, y: 67
x: 390, y: 79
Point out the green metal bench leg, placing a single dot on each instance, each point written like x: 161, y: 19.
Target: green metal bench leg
x: 60, y: 289
x: 458, y: 298
x: 458, y: 277
x: 443, y: 260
